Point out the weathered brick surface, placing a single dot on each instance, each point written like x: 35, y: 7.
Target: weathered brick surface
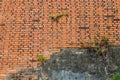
x: 26, y: 28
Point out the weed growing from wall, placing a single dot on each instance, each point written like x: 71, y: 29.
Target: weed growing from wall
x: 116, y: 76
x: 41, y: 58
x: 56, y: 17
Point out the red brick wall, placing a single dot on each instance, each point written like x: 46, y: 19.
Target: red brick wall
x: 22, y: 38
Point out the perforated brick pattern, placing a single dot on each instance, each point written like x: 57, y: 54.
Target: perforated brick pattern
x: 26, y: 28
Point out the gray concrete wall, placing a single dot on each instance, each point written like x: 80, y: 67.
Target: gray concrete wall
x: 78, y: 64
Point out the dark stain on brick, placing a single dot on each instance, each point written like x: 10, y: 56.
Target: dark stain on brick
x: 35, y: 20
x: 83, y: 27
x: 1, y: 24
x: 116, y: 19
x: 33, y: 60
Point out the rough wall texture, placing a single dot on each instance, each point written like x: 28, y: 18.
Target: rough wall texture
x: 75, y: 64
x: 26, y: 28
x: 84, y: 64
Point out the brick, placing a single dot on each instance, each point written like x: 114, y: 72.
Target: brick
x: 27, y: 29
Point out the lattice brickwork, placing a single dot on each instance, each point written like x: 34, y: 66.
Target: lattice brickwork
x: 26, y: 28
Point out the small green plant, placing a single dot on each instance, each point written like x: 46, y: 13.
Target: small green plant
x: 116, y: 76
x: 90, y: 43
x: 100, y: 46
x: 105, y: 38
x: 41, y: 58
x: 56, y: 17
